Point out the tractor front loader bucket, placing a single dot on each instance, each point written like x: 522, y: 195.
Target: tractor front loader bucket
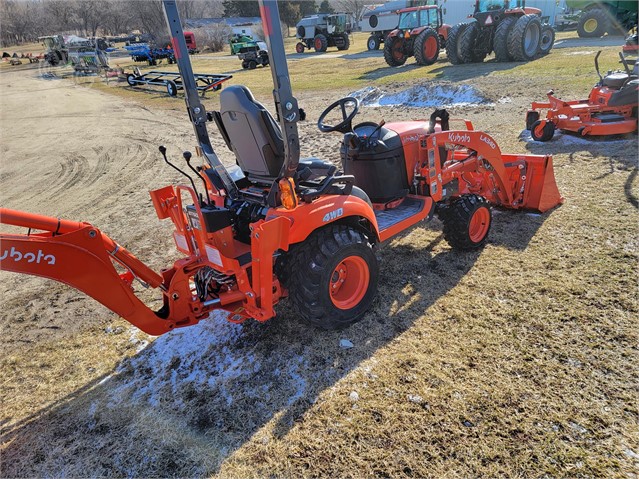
x: 540, y: 192
x: 81, y: 256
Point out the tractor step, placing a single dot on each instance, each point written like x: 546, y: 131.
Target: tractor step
x: 410, y: 211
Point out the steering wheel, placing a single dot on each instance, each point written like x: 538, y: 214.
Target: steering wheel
x: 346, y: 124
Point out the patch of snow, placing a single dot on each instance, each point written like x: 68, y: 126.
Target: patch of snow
x: 428, y: 95
x: 345, y: 343
x: 505, y: 99
x: 416, y: 398
x: 354, y: 396
x: 583, y: 52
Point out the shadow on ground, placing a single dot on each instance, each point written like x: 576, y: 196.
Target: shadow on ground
x: 187, y: 401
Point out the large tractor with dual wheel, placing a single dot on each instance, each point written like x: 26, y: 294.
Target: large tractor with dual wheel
x: 274, y: 225
x: 420, y: 33
x: 598, y: 17
x: 507, y: 27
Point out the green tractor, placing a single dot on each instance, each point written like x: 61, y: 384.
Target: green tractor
x: 239, y: 41
x: 599, y: 17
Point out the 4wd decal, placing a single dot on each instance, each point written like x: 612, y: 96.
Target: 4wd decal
x: 331, y: 215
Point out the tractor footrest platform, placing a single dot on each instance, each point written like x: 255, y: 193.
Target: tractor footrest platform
x: 388, y: 218
x: 608, y: 118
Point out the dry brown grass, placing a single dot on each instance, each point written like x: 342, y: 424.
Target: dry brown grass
x: 516, y: 361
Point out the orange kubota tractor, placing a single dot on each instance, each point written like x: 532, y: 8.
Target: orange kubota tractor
x: 276, y: 226
x: 611, y: 108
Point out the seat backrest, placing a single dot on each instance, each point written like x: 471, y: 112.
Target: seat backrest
x: 254, y: 135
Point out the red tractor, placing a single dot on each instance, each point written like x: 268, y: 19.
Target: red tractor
x: 421, y: 32
x: 275, y: 226
x: 507, y: 27
x: 611, y: 108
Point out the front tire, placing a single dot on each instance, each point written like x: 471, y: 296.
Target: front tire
x: 320, y: 43
x: 542, y: 130
x: 426, y: 47
x: 547, y: 39
x: 332, y: 277
x: 299, y: 47
x: 372, y: 43
x: 467, y: 221
x: 394, y: 51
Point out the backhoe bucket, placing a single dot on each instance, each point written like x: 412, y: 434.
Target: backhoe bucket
x: 541, y: 192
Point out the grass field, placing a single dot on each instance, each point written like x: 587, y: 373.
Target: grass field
x: 519, y: 360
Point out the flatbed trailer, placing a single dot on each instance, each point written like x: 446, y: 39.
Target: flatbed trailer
x: 173, y: 80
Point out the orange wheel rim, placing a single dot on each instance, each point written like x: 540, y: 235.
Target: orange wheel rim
x: 430, y: 47
x: 318, y: 44
x: 349, y: 282
x: 539, y: 130
x: 479, y: 224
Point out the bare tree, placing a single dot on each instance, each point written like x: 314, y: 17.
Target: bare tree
x: 213, y: 37
x: 90, y: 14
x: 117, y: 17
x: 355, y: 7
x: 60, y: 15
x: 148, y: 16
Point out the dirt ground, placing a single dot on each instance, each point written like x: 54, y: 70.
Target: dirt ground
x: 517, y: 361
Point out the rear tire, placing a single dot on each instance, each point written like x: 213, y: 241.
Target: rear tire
x: 542, y: 130
x: 252, y: 64
x: 593, y: 23
x: 523, y: 40
x: 452, y: 50
x: 467, y: 221
x: 394, y: 51
x: 547, y: 39
x: 426, y: 47
x: 333, y: 277
x: 468, y: 49
x: 500, y: 41
x: 372, y: 43
x: 320, y: 43
x: 347, y: 42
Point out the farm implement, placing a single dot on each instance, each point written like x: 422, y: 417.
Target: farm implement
x: 611, y: 108
x: 142, y: 52
x: 275, y: 226
x: 173, y: 80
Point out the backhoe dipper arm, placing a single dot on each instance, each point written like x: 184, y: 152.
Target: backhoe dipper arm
x: 286, y: 104
x: 197, y: 112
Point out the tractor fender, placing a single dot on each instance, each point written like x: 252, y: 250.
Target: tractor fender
x: 308, y: 217
x: 393, y: 33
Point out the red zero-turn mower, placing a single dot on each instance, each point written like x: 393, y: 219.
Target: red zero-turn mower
x: 277, y: 226
x: 611, y: 108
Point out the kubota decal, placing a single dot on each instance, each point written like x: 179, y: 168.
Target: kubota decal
x: 28, y: 257
x: 410, y: 139
x: 458, y: 138
x: 331, y: 215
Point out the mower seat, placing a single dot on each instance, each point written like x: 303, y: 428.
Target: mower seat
x: 255, y: 137
x: 626, y: 96
x: 615, y: 80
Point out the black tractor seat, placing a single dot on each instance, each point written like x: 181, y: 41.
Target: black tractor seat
x: 252, y: 133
